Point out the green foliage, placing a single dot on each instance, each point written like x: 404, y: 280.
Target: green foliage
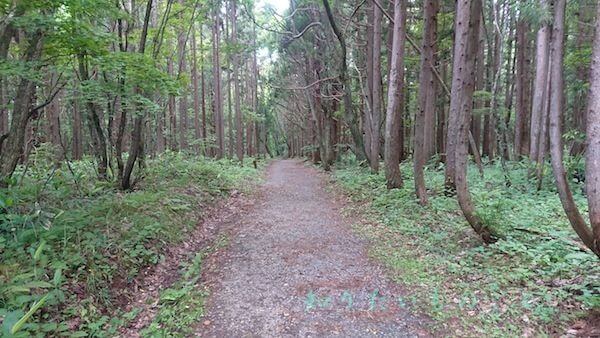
x: 182, y: 305
x: 65, y: 237
x: 536, y: 277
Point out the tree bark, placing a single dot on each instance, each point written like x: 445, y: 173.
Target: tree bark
x: 377, y: 90
x: 239, y: 127
x: 476, y: 123
x: 522, y: 107
x: 197, y: 131
x: 424, y: 118
x: 53, y: 117
x: 171, y: 109
x: 393, y: 126
x: 461, y: 102
x: 540, y: 94
x: 12, y: 144
x: 218, y: 99
x: 3, y: 109
x: 556, y: 146
x: 203, y: 93
x: 593, y: 147
x: 183, y: 99
x: 77, y: 141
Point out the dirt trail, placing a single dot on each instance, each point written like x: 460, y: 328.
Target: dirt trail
x: 294, y: 268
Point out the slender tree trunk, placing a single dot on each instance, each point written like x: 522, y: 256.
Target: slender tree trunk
x: 53, y: 119
x: 12, y: 144
x: 424, y: 118
x: 377, y: 91
x: 453, y: 122
x: 540, y: 95
x: 197, y: 131
x: 522, y: 106
x: 231, y: 140
x: 476, y: 122
x: 160, y: 131
x: 183, y: 99
x: 461, y: 102
x: 3, y: 109
x: 218, y: 98
x: 509, y: 89
x: 77, y: 141
x: 493, y: 60
x: 257, y: 126
x: 393, y: 127
x: 499, y: 32
x: 171, y: 108
x: 441, y: 119
x: 230, y: 129
x: 203, y: 92
x: 592, y: 162
x: 368, y: 112
x: 588, y: 236
x: 239, y: 128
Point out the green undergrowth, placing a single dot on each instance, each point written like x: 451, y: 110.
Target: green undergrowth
x: 535, y: 280
x: 70, y: 243
x: 182, y: 305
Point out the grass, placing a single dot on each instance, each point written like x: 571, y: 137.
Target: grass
x: 68, y: 237
x: 535, y: 280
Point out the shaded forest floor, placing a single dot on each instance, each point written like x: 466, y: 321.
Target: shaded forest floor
x: 536, y: 280
x: 85, y: 248
x: 210, y: 248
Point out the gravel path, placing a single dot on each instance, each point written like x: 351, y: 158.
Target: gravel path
x: 294, y: 268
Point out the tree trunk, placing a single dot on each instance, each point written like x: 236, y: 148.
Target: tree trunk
x: 3, y: 108
x: 257, y: 127
x: 239, y: 128
x: 172, y: 114
x: 556, y: 147
x: 540, y: 95
x: 203, y: 93
x: 368, y: 112
x: 197, y: 131
x: 592, y: 162
x: 77, y: 142
x: 377, y: 91
x: 424, y: 126
x: 12, y: 144
x: 393, y: 126
x: 522, y: 106
x: 218, y: 100
x: 479, y: 106
x: 183, y: 99
x: 461, y: 102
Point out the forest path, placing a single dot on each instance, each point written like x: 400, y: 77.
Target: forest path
x: 294, y: 268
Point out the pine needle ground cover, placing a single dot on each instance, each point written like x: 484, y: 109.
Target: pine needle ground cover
x: 537, y: 279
